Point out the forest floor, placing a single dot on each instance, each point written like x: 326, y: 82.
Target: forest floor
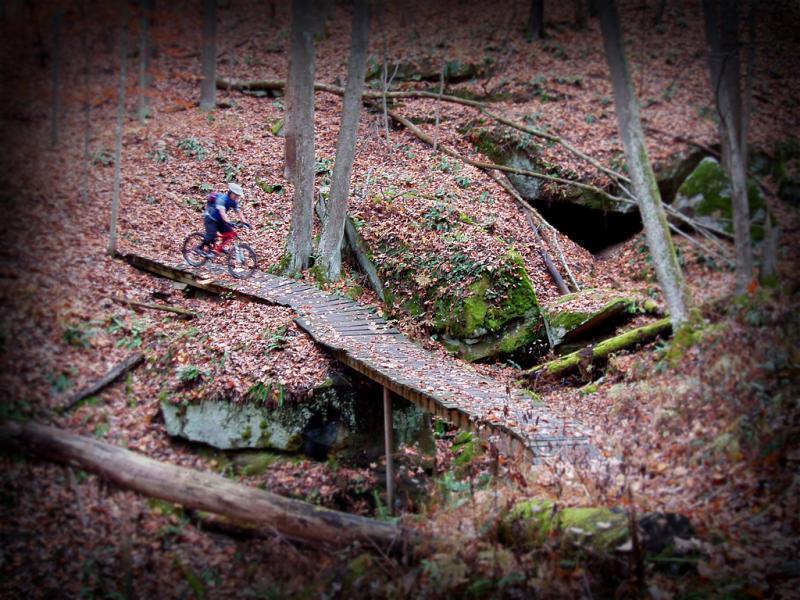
x: 706, y: 427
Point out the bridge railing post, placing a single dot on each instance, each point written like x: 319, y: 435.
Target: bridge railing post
x: 387, y: 428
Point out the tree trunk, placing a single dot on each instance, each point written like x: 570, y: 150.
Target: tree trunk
x: 56, y: 107
x: 659, y: 14
x: 581, y: 15
x: 87, y: 108
x: 123, y: 60
x: 721, y: 22
x: 330, y: 245
x: 289, y: 138
x: 145, y: 55
x: 643, y: 179
x: 301, y: 80
x: 203, y: 491
x: 208, y: 89
x: 535, y: 28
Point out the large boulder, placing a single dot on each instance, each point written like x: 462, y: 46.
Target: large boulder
x: 429, y: 68
x: 338, y: 420
x: 584, y: 315
x: 497, y: 317
x: 705, y: 196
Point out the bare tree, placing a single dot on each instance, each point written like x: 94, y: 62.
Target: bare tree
x: 145, y: 55
x: 56, y: 107
x: 208, y: 86
x: 123, y: 59
x: 330, y: 245
x: 301, y: 81
x: 581, y: 14
x: 87, y: 105
x: 535, y: 28
x: 289, y: 138
x: 641, y: 173
x: 722, y: 22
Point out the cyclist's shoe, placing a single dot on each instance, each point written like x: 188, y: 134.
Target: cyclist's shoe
x: 207, y: 253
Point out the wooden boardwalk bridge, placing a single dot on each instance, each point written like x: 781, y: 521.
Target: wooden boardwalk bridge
x: 367, y: 343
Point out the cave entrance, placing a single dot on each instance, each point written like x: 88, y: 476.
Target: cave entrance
x: 591, y: 228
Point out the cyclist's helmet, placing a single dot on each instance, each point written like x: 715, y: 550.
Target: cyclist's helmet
x: 236, y: 189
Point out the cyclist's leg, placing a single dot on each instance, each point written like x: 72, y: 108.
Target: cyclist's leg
x: 227, y: 234
x: 210, y: 234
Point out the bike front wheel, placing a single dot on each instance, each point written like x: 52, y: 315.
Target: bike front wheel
x: 242, y: 261
x: 193, y: 249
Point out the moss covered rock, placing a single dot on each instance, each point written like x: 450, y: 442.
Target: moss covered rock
x: 705, y: 195
x: 532, y: 521
x: 585, y: 314
x: 498, y: 316
x: 340, y: 421
x: 429, y: 68
x: 523, y: 151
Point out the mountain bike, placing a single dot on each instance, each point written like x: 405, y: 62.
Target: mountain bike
x: 241, y: 259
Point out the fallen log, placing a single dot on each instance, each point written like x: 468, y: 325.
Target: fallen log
x: 187, y: 314
x: 90, y: 390
x: 570, y: 362
x: 209, y: 492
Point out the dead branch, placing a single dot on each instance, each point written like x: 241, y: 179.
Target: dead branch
x: 90, y: 390
x: 529, y: 211
x: 628, y: 198
x: 187, y: 314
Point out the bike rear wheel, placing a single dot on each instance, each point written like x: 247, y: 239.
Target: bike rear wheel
x: 192, y: 249
x: 242, y: 261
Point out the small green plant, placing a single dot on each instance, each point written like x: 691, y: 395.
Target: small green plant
x: 260, y: 392
x: 160, y: 156
x: 193, y: 148
x: 463, y: 182
x: 190, y: 374
x: 276, y: 339
x: 134, y: 331
x: 590, y: 119
x: 230, y: 170
x: 194, y: 204
x: 323, y: 166
x: 447, y: 166
x: 440, y: 217
x: 102, y: 158
x: 575, y: 80
x: 78, y: 334
x: 60, y: 383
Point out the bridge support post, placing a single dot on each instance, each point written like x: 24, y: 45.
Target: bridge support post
x: 387, y: 428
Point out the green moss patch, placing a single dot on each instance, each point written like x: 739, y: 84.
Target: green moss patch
x: 706, y: 196
x: 573, y: 316
x: 599, y: 529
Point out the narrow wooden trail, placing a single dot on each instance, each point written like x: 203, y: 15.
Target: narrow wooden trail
x: 367, y: 343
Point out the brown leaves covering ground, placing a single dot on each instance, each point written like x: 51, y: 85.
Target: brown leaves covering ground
x: 57, y: 279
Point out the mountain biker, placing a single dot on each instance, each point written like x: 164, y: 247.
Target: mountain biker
x: 215, y: 218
